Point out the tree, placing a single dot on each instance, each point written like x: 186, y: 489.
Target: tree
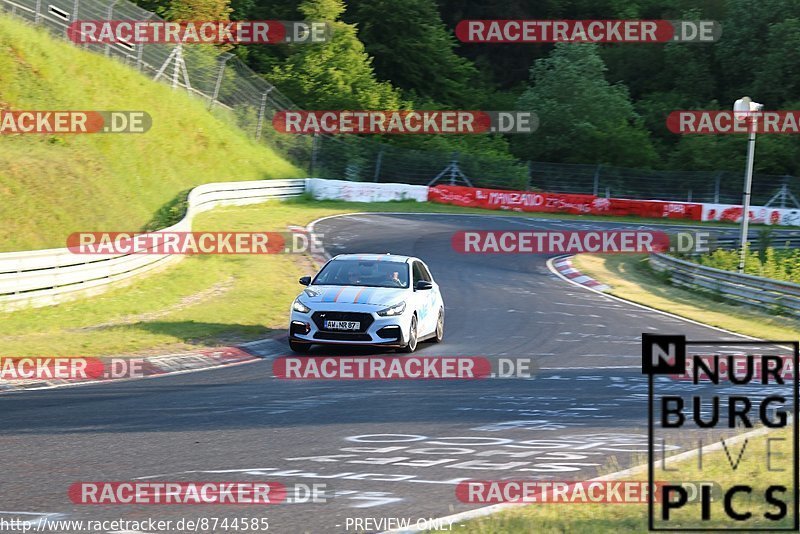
x: 337, y: 74
x: 582, y: 118
x: 187, y: 10
x: 413, y: 49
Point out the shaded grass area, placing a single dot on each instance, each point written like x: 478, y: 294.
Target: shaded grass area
x: 53, y: 185
x: 716, y: 467
x: 631, y: 278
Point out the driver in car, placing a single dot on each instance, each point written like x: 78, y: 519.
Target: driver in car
x: 395, y: 278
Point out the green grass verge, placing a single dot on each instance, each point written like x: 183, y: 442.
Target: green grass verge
x: 631, y: 278
x: 53, y: 185
x: 601, y: 518
x: 201, y: 301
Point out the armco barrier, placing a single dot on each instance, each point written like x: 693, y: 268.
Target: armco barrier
x: 743, y: 288
x: 44, y: 277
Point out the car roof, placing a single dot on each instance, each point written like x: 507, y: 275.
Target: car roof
x: 375, y: 257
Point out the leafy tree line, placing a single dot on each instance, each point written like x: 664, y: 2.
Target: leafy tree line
x: 597, y: 104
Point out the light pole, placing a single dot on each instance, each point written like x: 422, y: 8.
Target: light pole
x: 743, y: 109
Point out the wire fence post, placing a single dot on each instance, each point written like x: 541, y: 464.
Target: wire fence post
x: 223, y: 59
x: 454, y: 169
x: 75, y: 6
x: 38, y: 10
x: 608, y: 191
x: 596, y: 186
x: 378, y: 162
x: 717, y: 180
x: 262, y: 108
x: 529, y: 179
x: 689, y: 199
x: 314, y: 143
x: 110, y: 16
x: 176, y: 67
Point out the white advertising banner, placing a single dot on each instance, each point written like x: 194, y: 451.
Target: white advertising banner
x: 758, y: 214
x: 365, y: 191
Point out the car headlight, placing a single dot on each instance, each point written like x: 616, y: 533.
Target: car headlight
x: 299, y: 306
x: 391, y: 311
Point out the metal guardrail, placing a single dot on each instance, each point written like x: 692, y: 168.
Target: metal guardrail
x: 772, y: 295
x: 783, y: 240
x: 44, y: 277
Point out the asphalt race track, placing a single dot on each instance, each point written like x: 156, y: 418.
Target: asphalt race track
x: 384, y: 449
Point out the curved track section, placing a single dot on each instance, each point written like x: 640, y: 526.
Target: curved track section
x: 387, y: 449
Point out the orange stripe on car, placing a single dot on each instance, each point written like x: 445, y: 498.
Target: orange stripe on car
x: 339, y: 294
x: 355, y: 299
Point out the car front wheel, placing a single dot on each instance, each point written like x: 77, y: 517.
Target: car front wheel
x: 411, y: 346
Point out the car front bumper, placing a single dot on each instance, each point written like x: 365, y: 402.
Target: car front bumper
x: 375, y: 330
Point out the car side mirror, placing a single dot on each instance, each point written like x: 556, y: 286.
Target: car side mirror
x: 305, y: 280
x: 423, y: 285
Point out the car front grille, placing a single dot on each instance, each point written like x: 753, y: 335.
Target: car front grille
x: 342, y: 336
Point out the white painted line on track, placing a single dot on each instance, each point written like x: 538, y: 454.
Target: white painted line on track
x: 495, y: 508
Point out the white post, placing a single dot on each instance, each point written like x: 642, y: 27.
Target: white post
x: 177, y: 66
x: 261, y: 110
x: 748, y: 182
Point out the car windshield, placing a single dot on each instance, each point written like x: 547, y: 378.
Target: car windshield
x: 364, y: 273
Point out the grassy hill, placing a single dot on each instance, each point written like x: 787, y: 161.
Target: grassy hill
x: 51, y: 185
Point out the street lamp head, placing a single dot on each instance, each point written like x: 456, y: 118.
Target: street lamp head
x: 743, y: 107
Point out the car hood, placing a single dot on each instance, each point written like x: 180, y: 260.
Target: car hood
x: 352, y: 295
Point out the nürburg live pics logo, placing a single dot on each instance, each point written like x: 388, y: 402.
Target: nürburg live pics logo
x: 731, y: 405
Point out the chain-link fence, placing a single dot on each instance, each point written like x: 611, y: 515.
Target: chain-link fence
x: 360, y: 159
x: 221, y: 79
x: 723, y: 187
x: 249, y: 100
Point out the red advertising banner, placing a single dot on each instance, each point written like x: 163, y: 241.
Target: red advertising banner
x: 536, y: 201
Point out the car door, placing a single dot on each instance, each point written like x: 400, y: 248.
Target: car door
x: 425, y: 300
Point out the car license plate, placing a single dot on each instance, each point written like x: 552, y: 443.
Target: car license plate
x: 342, y: 325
